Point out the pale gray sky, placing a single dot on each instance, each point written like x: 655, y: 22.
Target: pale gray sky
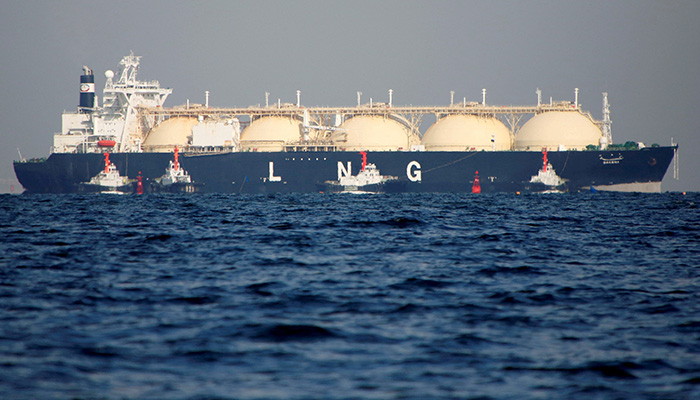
x: 645, y: 54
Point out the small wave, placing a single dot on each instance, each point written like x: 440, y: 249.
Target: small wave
x: 102, y: 352
x: 283, y: 226
x: 410, y: 308
x: 690, y: 325
x: 606, y: 369
x: 278, y: 261
x: 396, y: 222
x: 525, y: 270
x: 544, y: 298
x: 490, y: 238
x: 662, y: 309
x: 202, y: 355
x: 160, y: 238
x: 264, y: 288
x: 417, y: 283
x: 196, y: 300
x: 517, y: 320
x: 612, y: 370
x: 284, y: 333
x: 470, y: 340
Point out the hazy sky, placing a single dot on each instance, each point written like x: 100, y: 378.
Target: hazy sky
x: 645, y: 54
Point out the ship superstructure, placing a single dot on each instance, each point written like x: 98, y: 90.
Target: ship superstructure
x: 117, y: 123
x: 133, y: 117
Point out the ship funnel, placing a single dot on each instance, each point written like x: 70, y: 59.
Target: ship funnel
x: 87, y: 91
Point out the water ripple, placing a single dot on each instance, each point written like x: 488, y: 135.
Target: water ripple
x: 297, y: 296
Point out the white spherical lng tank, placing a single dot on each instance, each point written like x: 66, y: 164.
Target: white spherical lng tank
x: 555, y: 129
x: 467, y: 132
x: 270, y: 134
x: 373, y: 132
x: 170, y: 133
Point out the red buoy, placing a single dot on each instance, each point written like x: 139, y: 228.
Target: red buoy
x: 139, y: 184
x: 544, y: 159
x: 476, y: 186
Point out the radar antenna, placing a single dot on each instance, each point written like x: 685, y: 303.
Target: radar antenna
x: 129, y: 68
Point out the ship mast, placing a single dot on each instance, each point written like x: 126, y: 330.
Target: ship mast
x: 607, y: 122
x: 130, y: 65
x: 122, y: 98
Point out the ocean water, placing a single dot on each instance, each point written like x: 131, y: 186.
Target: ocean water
x: 312, y: 296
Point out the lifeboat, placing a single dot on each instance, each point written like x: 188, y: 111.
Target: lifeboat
x: 106, y: 143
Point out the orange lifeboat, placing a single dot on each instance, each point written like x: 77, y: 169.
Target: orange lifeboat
x: 106, y: 143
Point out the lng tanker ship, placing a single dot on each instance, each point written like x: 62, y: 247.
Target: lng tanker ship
x: 292, y: 148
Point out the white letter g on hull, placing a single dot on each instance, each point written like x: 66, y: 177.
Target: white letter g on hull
x: 413, y: 175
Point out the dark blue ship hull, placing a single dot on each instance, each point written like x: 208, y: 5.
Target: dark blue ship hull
x: 257, y: 172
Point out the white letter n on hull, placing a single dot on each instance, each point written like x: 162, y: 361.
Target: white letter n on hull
x: 342, y: 171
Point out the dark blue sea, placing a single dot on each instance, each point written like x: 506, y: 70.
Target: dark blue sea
x: 313, y: 296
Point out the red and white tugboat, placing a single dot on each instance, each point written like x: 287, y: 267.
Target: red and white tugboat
x: 175, y: 179
x: 368, y: 180
x: 108, y: 181
x: 546, y: 180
